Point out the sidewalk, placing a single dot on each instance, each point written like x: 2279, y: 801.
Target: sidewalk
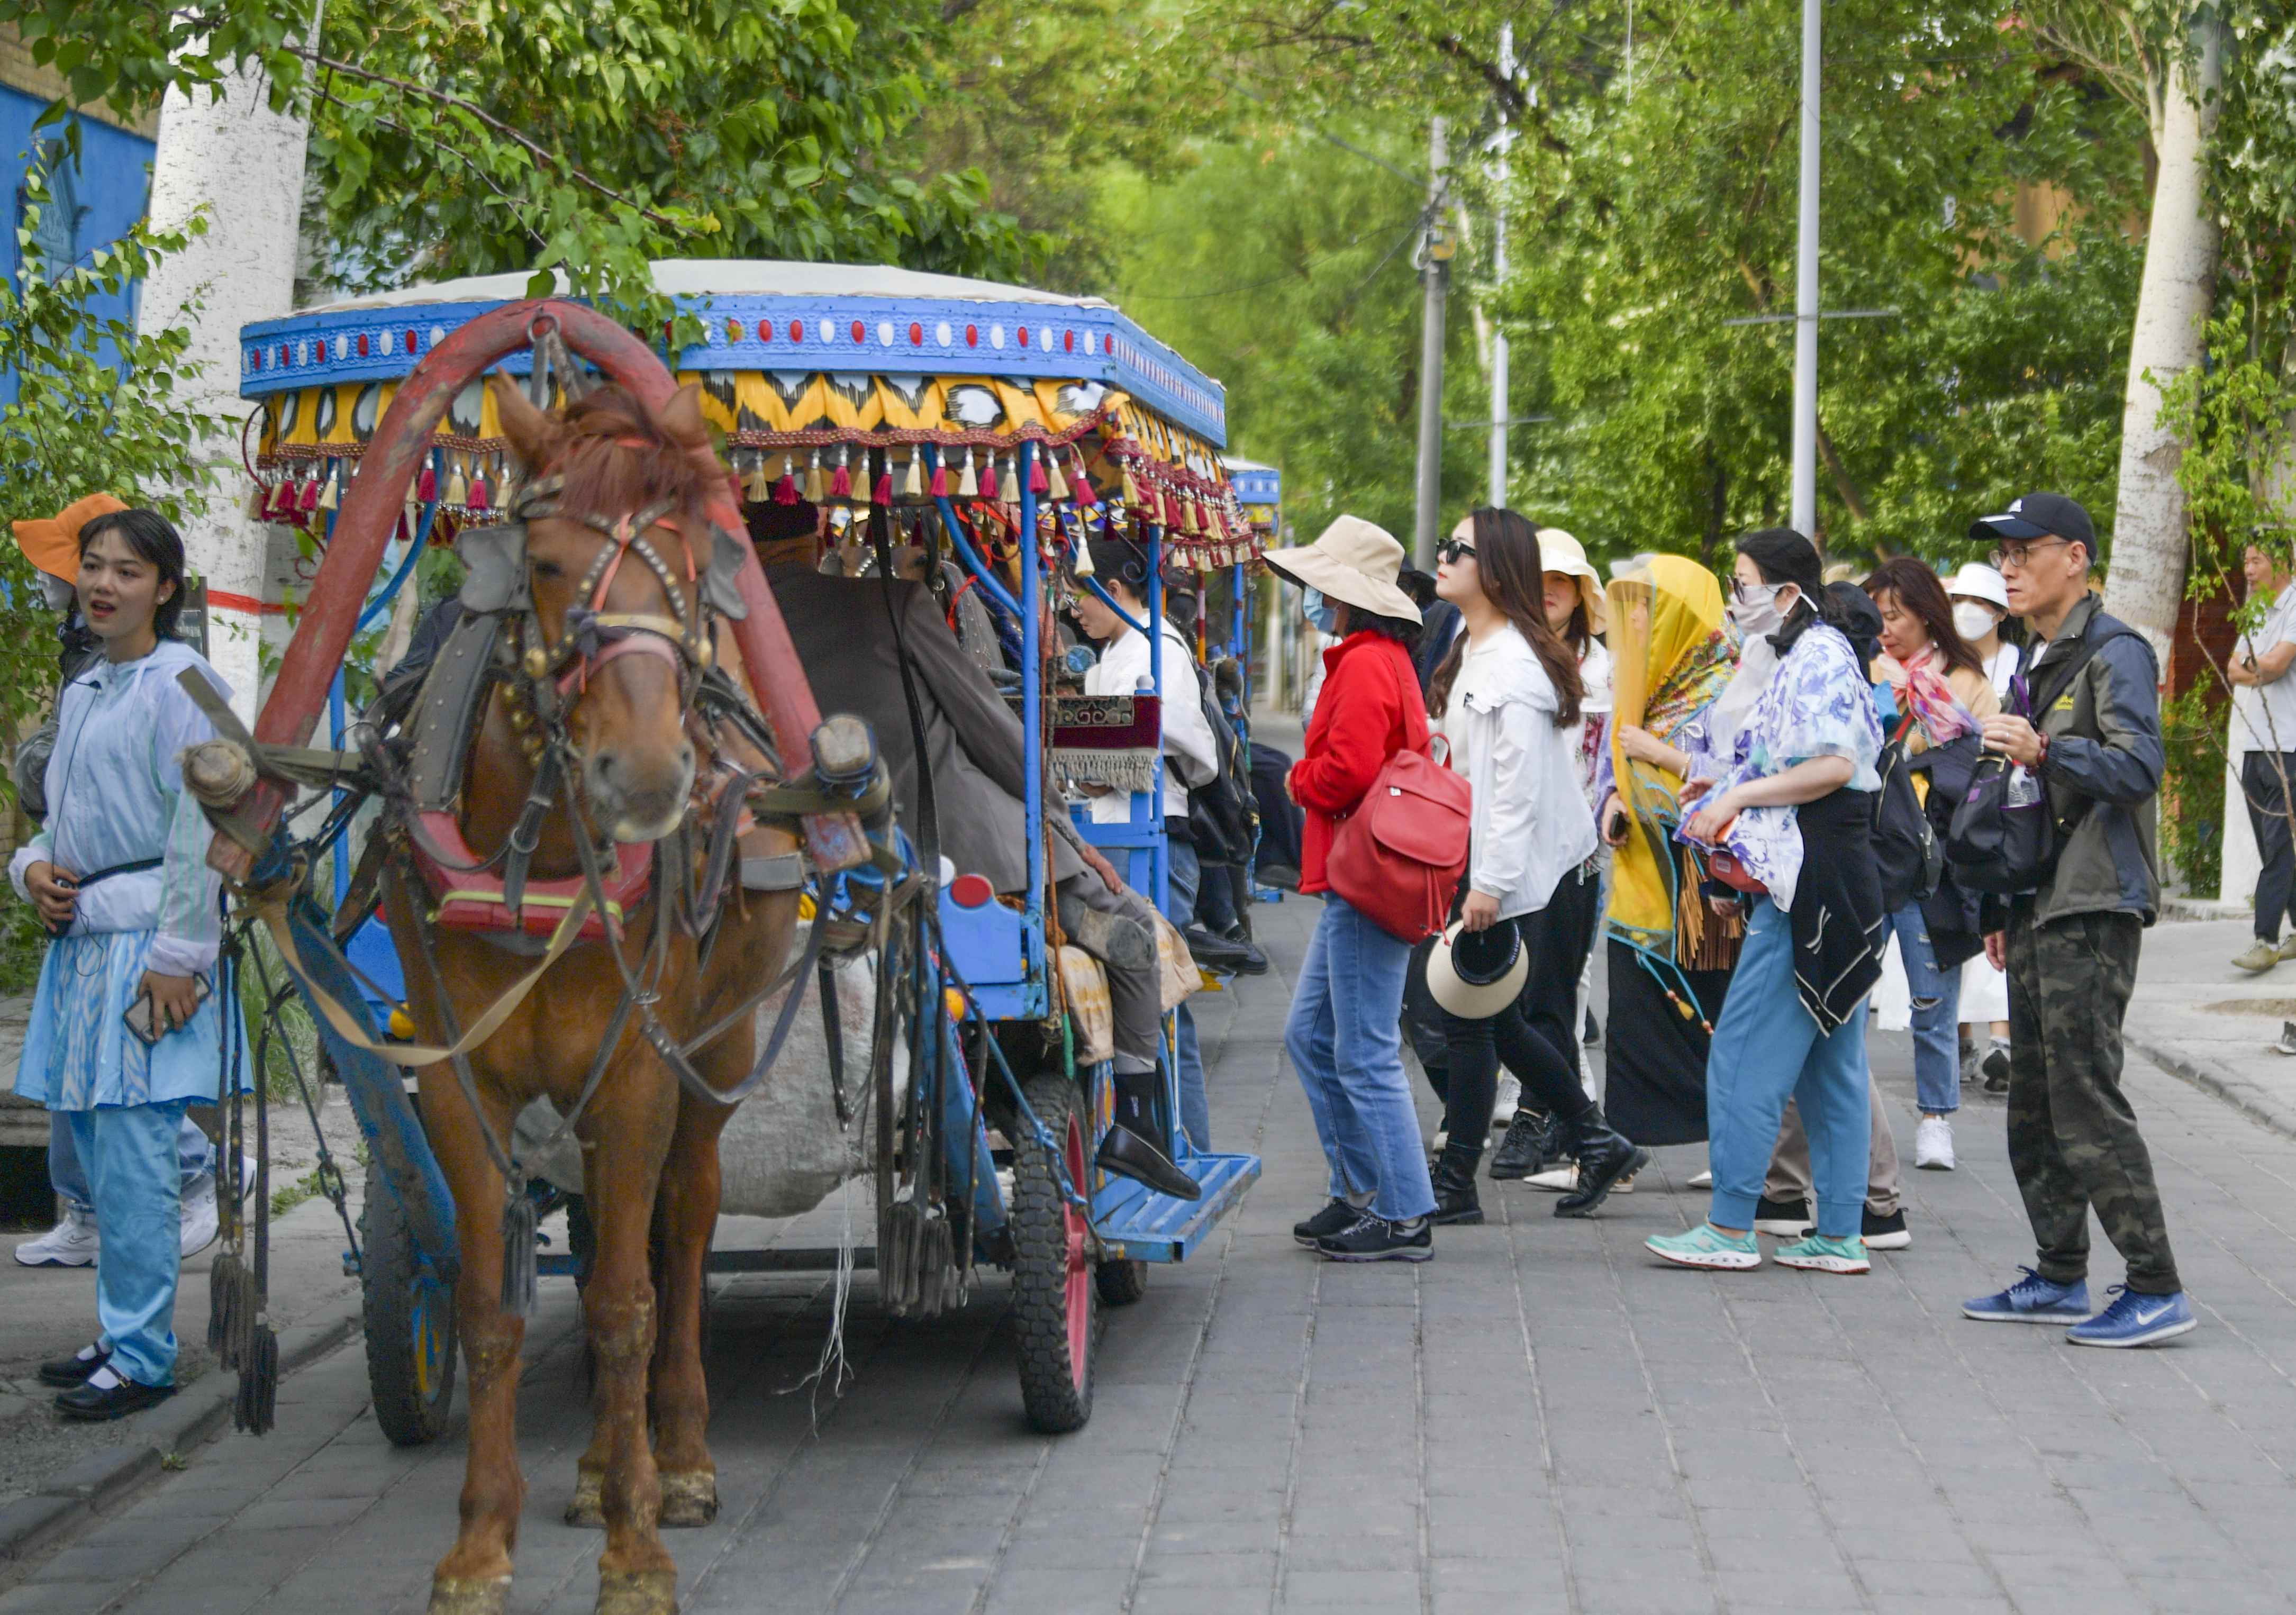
x: 2214, y: 1026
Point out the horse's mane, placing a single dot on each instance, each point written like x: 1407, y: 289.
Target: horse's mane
x: 616, y: 458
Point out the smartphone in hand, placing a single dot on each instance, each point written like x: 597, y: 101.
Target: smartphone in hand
x: 139, y: 1014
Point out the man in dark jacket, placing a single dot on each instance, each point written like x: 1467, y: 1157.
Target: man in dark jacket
x: 2070, y: 947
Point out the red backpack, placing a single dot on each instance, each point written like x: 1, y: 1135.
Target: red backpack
x: 1398, y: 856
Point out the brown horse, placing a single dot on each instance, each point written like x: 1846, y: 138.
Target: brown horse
x: 646, y: 761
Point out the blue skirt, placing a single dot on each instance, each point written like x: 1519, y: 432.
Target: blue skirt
x: 79, y: 1052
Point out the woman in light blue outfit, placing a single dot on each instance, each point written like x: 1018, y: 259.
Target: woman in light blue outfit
x: 120, y: 871
x: 1795, y: 808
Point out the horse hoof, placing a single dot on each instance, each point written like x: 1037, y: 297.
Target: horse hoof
x: 587, y: 1507
x: 689, y: 1498
x: 637, y: 1593
x: 470, y: 1597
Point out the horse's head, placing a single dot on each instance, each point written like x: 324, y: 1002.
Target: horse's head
x: 614, y: 571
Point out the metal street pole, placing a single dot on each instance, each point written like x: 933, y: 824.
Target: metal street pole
x: 1434, y: 271
x: 1805, y: 387
x: 1500, y: 386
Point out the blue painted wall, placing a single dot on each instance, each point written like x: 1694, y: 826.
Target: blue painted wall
x: 109, y: 186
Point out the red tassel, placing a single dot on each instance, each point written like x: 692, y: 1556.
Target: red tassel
x: 785, y: 488
x: 478, y: 499
x: 1039, y: 483
x: 883, y: 493
x: 310, y: 499
x: 1080, y: 485
x: 426, y: 485
x: 840, y: 481
x: 989, y: 478
x: 940, y: 478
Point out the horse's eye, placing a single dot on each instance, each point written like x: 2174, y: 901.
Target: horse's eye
x: 547, y: 569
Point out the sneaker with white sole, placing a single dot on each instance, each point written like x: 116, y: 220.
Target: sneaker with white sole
x: 2258, y: 957
x: 72, y: 1243
x: 1510, y: 1098
x: 1995, y: 1066
x: 1819, y: 1254
x: 200, y: 1218
x: 1933, y: 1143
x: 2136, y: 1320
x: 1782, y: 1219
x: 2032, y: 1299
x: 1885, y: 1233
x: 1707, y: 1246
x: 1701, y: 1180
x: 1564, y: 1180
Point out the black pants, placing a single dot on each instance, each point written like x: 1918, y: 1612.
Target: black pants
x: 1560, y: 935
x: 1474, y: 1049
x: 2261, y: 780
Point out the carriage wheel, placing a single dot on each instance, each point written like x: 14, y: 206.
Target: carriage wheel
x: 1055, y: 1297
x: 410, y: 1325
x: 1121, y: 1281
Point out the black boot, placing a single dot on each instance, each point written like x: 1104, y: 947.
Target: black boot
x: 1528, y: 1148
x: 1604, y: 1157
x: 1455, y: 1185
x: 1137, y: 1145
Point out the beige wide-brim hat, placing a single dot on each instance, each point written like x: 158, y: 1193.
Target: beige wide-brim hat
x: 1559, y: 551
x: 1354, y: 560
x: 1472, y: 1000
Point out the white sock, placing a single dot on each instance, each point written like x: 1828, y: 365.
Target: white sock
x: 89, y: 1352
x: 103, y: 1379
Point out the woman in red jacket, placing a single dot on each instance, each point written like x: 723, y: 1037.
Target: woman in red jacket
x: 1345, y: 1030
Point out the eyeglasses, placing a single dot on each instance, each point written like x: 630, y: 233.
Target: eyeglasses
x: 2017, y: 557
x: 1449, y: 551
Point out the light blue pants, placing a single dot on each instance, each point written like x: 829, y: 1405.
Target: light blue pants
x: 193, y: 1154
x: 1766, y: 1049
x: 1345, y: 1038
x: 1183, y: 873
x: 1937, y: 1015
x: 130, y: 1153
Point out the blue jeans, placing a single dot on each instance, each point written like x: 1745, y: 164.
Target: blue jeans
x: 1345, y: 1038
x: 131, y: 1154
x: 194, y: 1155
x: 1183, y: 873
x: 1767, y: 1048
x: 1937, y: 1015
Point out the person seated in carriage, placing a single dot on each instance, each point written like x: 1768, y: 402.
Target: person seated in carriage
x: 974, y: 745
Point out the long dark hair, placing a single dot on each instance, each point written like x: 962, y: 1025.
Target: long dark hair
x: 1507, y: 563
x: 1362, y: 620
x: 1781, y: 555
x: 155, y: 540
x: 1922, y: 596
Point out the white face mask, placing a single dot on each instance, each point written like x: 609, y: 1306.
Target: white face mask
x: 1971, y: 620
x: 1757, y: 611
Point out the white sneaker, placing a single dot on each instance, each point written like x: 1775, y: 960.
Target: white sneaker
x: 1563, y: 1179
x: 1702, y: 1180
x: 1509, y: 1095
x: 72, y: 1243
x: 1933, y: 1143
x: 200, y: 1222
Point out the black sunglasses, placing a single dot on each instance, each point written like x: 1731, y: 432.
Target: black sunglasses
x: 1449, y: 551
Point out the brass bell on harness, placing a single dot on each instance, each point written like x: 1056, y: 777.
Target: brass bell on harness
x: 538, y: 661
x: 704, y: 653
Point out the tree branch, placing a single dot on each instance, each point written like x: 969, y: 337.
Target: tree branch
x: 1842, y: 485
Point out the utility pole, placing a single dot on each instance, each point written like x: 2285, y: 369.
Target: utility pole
x: 1434, y: 274
x: 1805, y: 387
x: 1500, y: 391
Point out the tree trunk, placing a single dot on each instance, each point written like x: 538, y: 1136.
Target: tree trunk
x: 2146, y: 579
x: 243, y: 164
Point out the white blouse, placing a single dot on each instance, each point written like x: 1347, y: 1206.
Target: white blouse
x: 1531, y: 821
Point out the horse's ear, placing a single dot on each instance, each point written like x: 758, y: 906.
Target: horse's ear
x: 681, y: 417
x: 533, y: 435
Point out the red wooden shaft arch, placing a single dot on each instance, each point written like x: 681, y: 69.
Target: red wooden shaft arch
x: 370, y: 514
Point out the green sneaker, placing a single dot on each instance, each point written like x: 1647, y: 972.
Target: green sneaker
x: 2260, y: 956
x: 1819, y: 1254
x: 1707, y: 1246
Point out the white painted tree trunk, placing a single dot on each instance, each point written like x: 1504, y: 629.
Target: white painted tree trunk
x: 2146, y: 581
x: 243, y: 165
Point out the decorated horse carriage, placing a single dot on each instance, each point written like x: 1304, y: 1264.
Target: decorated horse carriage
x: 590, y: 861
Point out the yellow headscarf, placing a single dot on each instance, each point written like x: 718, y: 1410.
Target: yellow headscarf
x: 1670, y: 657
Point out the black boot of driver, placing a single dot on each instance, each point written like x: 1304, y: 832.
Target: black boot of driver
x: 1136, y: 1146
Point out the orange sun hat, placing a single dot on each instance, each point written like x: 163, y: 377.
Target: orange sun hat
x: 52, y: 542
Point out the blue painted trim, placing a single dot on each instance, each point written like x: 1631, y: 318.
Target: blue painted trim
x: 1163, y: 865
x: 1064, y: 344
x: 972, y: 563
x: 1257, y: 487
x: 1032, y: 707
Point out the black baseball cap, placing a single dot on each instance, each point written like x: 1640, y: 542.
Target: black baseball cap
x: 2038, y: 516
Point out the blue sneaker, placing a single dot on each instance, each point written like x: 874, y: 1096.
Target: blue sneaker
x: 2032, y: 1299
x: 2136, y: 1320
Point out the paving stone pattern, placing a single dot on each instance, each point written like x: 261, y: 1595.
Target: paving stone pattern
x: 1539, y: 1420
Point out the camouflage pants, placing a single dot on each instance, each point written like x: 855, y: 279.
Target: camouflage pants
x: 2073, y: 1141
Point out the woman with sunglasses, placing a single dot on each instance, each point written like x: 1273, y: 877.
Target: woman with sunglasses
x: 1794, y: 810
x: 1509, y: 695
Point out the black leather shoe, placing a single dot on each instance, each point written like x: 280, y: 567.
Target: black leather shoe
x: 1454, y: 1181
x: 1126, y: 1153
x: 1527, y: 1150
x: 116, y: 1402
x: 1336, y: 1217
x: 1216, y: 952
x: 65, y: 1372
x: 1604, y: 1157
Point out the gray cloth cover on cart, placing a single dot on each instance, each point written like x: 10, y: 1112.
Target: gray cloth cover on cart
x: 782, y: 1152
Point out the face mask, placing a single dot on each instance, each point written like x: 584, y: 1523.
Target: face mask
x: 1324, y: 613
x: 1757, y: 611
x: 1971, y: 620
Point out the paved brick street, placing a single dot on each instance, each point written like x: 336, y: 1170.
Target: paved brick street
x: 1541, y: 1419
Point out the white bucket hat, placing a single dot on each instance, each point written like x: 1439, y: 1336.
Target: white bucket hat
x: 1977, y: 581
x: 1353, y: 560
x: 1559, y: 551
x: 1485, y: 982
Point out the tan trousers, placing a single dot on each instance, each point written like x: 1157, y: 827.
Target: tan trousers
x: 1789, y: 1178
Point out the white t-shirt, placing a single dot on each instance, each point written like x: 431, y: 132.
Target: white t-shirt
x: 2002, y: 666
x: 1191, y: 755
x: 2264, y: 717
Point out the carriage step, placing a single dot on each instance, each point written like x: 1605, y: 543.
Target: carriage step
x: 1137, y: 1223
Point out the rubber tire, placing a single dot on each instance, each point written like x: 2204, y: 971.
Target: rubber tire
x: 1055, y: 1298
x: 400, y: 1296
x: 1121, y: 1281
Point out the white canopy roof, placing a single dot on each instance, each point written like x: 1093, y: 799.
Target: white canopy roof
x: 702, y: 277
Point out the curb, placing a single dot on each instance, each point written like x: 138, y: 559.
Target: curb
x: 77, y: 1495
x: 2220, y: 1082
